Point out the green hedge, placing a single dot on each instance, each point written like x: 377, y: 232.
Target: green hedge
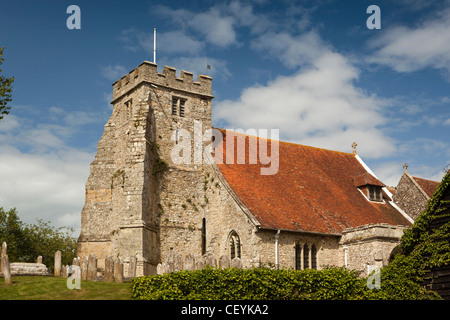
x: 242, y: 284
x: 267, y: 284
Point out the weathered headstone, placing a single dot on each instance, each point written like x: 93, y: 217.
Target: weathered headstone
x: 170, y: 262
x: 210, y: 260
x: 224, y: 261
x: 6, y: 269
x: 189, y: 262
x: 57, y: 271
x: 199, y: 265
x: 76, y: 261
x: 160, y: 268
x: 132, y: 267
x: 92, y: 267
x: 84, y: 268
x: 178, y: 265
x: 109, y: 269
x: 39, y: 259
x: 118, y: 270
x: 236, y: 263
x: 4, y: 252
x: 64, y: 271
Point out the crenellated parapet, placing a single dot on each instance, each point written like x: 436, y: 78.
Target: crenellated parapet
x: 147, y: 72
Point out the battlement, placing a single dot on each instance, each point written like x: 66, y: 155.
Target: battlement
x: 147, y: 72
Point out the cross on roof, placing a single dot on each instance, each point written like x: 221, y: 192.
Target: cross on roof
x: 354, y: 144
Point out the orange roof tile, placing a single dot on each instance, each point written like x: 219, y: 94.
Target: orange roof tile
x: 313, y: 190
x: 429, y: 186
x: 367, y: 179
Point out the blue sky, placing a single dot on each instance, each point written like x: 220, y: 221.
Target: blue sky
x: 311, y: 69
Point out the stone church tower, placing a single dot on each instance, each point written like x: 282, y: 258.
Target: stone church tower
x: 133, y: 171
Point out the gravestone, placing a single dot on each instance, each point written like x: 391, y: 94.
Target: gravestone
x: 118, y: 270
x: 64, y: 271
x: 6, y: 270
x: 39, y: 259
x: 236, y: 263
x: 224, y: 261
x: 109, y: 269
x: 210, y: 260
x: 4, y: 249
x: 189, y: 262
x: 132, y: 267
x: 92, y: 267
x: 57, y: 272
x: 84, y: 268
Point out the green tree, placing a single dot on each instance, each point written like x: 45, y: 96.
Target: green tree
x: 11, y: 232
x: 28, y: 241
x: 5, y: 90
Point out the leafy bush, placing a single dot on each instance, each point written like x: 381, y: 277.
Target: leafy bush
x: 285, y: 284
x: 256, y: 284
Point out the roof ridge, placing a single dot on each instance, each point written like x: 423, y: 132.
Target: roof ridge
x: 425, y: 179
x: 286, y: 142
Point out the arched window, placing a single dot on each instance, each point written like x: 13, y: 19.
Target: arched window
x: 234, y: 244
x: 203, y: 236
x: 313, y: 257
x: 305, y: 257
x: 298, y: 257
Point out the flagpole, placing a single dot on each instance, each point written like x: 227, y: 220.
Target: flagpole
x: 154, y: 45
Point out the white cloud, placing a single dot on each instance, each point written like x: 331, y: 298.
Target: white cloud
x: 42, y: 175
x: 407, y: 49
x: 292, y: 51
x: 112, y: 73
x: 319, y: 105
x: 44, y: 186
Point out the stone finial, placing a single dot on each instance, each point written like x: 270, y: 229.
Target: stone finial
x: 405, y: 166
x: 354, y: 144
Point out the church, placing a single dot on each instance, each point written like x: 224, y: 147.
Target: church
x: 292, y: 206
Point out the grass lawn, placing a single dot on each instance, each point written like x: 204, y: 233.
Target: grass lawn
x: 55, y: 288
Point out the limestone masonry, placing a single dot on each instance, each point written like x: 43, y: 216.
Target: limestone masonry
x: 140, y: 204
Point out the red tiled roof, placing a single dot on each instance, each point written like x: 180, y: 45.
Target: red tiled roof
x: 313, y: 190
x: 367, y: 179
x: 429, y: 186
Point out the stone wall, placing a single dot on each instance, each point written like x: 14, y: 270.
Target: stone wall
x: 369, y: 245
x: 409, y: 196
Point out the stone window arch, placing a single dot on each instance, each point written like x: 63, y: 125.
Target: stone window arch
x: 234, y: 245
x: 313, y: 256
x: 305, y: 256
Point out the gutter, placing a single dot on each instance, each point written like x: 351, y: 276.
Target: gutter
x: 277, y: 236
